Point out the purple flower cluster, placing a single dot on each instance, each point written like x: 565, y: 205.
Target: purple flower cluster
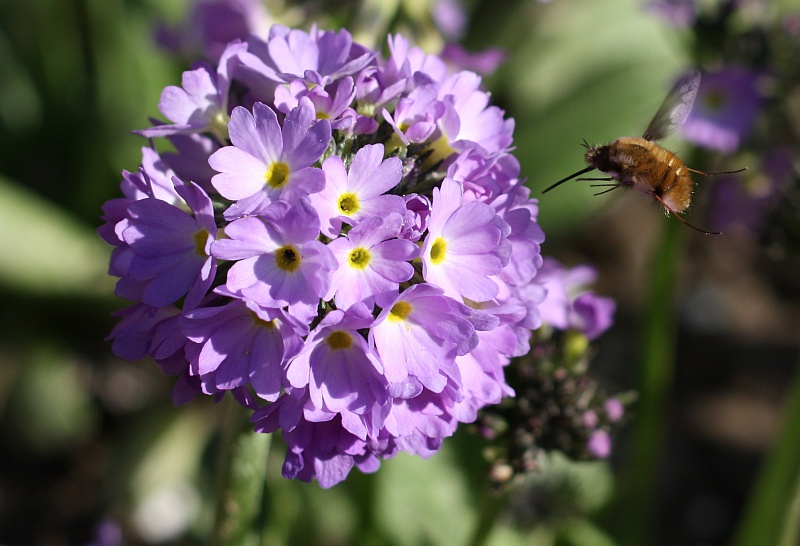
x: 340, y: 240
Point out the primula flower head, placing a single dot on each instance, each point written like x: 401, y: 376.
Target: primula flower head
x: 353, y: 255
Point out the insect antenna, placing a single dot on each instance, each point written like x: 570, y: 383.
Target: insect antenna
x: 570, y: 177
x: 678, y: 216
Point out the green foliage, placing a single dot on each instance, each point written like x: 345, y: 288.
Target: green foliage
x: 78, y: 77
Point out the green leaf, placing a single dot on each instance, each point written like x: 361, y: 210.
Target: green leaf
x: 46, y: 250
x: 582, y: 532
x: 597, y: 72
x: 241, y: 478
x: 772, y: 516
x: 423, y: 501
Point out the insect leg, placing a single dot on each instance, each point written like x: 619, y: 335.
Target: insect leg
x: 716, y: 174
x: 612, y: 188
x: 678, y: 216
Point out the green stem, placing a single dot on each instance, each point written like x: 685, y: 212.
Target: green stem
x: 772, y: 516
x: 241, y: 481
x: 636, y: 503
x: 490, y: 510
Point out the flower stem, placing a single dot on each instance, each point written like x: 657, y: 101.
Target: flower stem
x: 772, y: 515
x: 241, y: 479
x: 490, y: 509
x: 637, y: 500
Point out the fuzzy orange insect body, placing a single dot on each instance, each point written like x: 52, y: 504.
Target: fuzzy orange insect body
x: 645, y: 166
x: 640, y: 163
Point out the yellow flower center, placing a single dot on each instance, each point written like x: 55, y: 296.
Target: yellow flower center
x: 366, y: 109
x: 270, y: 324
x: 200, y: 239
x: 277, y: 174
x: 359, y: 258
x: 440, y: 150
x: 348, y: 203
x: 219, y: 125
x: 339, y: 340
x: 715, y: 100
x: 288, y: 258
x: 400, y: 311
x: 438, y: 251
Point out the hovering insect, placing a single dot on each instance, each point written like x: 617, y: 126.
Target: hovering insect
x: 641, y: 164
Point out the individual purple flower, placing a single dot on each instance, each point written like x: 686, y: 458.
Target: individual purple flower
x: 481, y: 371
x: 212, y: 24
x: 158, y: 175
x: 372, y: 262
x: 728, y: 102
x: 414, y: 119
x: 599, y: 444
x: 405, y: 61
x: 679, y: 13
x: 189, y: 160
x: 360, y: 192
x: 201, y: 103
x: 484, y: 62
x: 134, y: 336
x: 154, y: 179
x: 241, y: 343
x: 569, y: 304
x: 318, y: 57
x: 106, y: 532
x: 592, y: 314
x: 331, y: 102
x: 472, y: 119
x: 450, y: 17
x: 321, y: 450
x: 465, y: 245
x: 526, y: 237
x: 421, y: 332
x: 746, y: 203
x: 169, y: 248
x: 340, y: 369
x: 418, y: 425
x: 614, y: 409
x: 373, y: 90
x: 278, y: 260
x: 270, y: 162
x: 415, y: 219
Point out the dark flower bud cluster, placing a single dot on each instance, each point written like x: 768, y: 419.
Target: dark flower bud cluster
x: 557, y: 407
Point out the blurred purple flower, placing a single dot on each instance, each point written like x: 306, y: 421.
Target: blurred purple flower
x: 679, y: 13
x: 212, y: 24
x: 201, y: 103
x: 569, y: 304
x: 599, y: 444
x: 747, y: 201
x: 484, y: 62
x: 727, y: 105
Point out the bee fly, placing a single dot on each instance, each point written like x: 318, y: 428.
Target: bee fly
x: 641, y: 164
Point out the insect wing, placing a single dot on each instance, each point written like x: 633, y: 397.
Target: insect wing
x: 675, y: 108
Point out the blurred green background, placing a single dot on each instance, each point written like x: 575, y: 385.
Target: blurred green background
x: 88, y: 439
